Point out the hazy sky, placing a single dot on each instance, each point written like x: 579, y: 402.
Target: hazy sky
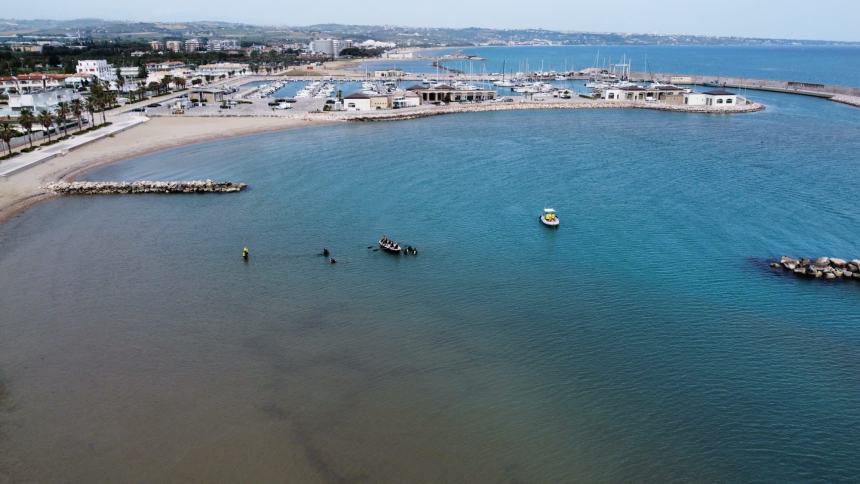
x: 821, y: 19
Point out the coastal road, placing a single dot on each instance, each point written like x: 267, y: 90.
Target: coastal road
x: 27, y: 160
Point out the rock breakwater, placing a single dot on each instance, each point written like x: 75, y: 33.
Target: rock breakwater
x: 426, y: 111
x: 820, y: 268
x: 143, y: 186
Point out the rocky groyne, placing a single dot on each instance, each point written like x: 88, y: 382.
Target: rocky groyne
x: 820, y: 268
x: 122, y: 188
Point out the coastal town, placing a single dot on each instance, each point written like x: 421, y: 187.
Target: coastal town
x: 215, y: 86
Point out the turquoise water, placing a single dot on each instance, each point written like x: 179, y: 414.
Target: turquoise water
x: 830, y: 65
x: 645, y: 339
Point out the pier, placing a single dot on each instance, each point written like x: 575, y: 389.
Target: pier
x: 135, y: 187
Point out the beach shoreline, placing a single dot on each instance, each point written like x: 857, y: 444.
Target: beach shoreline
x: 23, y: 190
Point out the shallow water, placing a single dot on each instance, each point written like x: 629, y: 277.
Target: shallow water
x: 645, y: 339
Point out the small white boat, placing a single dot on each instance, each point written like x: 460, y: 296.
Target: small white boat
x: 389, y: 245
x: 549, y: 218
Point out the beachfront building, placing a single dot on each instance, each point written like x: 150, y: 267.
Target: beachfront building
x: 173, y: 45
x: 449, y: 94
x: 223, y: 69
x: 96, y: 68
x: 47, y: 100
x: 360, y: 101
x: 24, y: 83
x: 715, y: 98
x: 208, y: 94
x: 405, y: 99
x: 164, y: 66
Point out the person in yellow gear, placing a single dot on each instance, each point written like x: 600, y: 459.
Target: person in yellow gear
x: 245, y: 252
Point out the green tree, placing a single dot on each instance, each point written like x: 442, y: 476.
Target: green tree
x: 46, y: 119
x: 165, y: 82
x: 120, y: 81
x: 141, y: 71
x: 7, y: 133
x: 77, y: 108
x: 62, y: 116
x: 26, y: 120
x: 91, y: 106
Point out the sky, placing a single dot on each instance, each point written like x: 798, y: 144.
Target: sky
x: 791, y: 19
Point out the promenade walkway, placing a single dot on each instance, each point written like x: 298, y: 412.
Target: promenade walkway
x: 27, y: 160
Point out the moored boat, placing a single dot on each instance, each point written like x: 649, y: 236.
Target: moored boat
x: 549, y: 218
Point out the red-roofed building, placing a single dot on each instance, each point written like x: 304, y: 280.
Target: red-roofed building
x: 32, y: 82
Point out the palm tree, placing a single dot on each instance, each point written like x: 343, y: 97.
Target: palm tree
x: 26, y: 120
x: 7, y: 133
x: 179, y: 82
x: 91, y: 106
x: 77, y: 111
x: 63, y: 116
x: 165, y: 82
x: 46, y: 119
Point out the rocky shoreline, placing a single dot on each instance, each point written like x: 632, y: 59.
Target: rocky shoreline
x: 828, y: 268
x: 123, y: 188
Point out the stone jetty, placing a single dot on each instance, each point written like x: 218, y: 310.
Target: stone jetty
x: 820, y: 268
x: 122, y: 188
x: 426, y: 111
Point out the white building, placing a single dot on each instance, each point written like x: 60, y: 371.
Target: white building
x: 407, y: 99
x: 43, y: 100
x: 223, y: 68
x: 218, y: 45
x: 98, y: 68
x: 716, y: 98
x: 329, y: 47
x: 360, y: 101
x: 129, y: 72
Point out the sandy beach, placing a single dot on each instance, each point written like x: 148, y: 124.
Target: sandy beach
x: 23, y: 189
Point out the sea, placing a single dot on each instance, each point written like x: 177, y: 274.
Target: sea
x: 644, y: 340
x: 838, y: 64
